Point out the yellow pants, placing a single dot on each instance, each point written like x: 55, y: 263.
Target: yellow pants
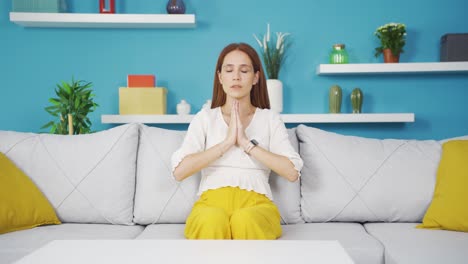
x: 232, y: 213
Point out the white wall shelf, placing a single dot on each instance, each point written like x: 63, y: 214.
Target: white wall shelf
x: 76, y: 20
x: 392, y: 68
x: 287, y: 118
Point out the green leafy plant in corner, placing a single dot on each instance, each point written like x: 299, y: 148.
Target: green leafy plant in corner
x: 71, y: 108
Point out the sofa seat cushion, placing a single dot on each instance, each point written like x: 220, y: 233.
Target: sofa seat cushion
x: 405, y: 244
x: 163, y: 231
x: 363, y: 248
x: 15, y: 245
x: 356, y: 179
x: 87, y: 178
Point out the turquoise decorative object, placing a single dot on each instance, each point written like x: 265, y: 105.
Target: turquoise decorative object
x: 40, y: 6
x: 334, y: 99
x: 356, y: 100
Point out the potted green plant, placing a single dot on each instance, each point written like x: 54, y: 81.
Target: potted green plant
x: 273, y: 49
x: 71, y: 108
x: 392, y: 38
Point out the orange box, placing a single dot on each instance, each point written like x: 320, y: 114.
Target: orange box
x: 137, y: 80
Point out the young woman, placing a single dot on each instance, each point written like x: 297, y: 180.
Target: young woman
x: 236, y: 144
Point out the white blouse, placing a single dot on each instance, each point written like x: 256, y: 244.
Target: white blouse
x: 235, y: 168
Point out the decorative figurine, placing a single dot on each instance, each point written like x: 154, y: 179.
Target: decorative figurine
x: 107, y: 6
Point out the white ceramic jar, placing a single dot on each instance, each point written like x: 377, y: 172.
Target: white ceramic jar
x: 183, y: 108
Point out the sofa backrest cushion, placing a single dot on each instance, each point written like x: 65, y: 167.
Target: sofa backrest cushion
x: 87, y: 178
x: 159, y: 198
x: 349, y: 178
x: 287, y: 195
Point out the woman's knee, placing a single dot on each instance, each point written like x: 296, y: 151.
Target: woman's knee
x: 209, y: 223
x: 210, y: 216
x: 250, y: 224
x: 242, y: 217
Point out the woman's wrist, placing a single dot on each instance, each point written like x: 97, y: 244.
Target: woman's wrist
x: 224, y: 147
x: 244, y: 144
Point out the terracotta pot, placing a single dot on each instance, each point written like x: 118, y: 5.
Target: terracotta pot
x: 389, y: 57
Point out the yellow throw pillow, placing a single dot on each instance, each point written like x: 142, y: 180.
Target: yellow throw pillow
x: 22, y: 204
x: 448, y: 209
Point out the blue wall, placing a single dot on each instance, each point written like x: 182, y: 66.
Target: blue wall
x: 33, y: 60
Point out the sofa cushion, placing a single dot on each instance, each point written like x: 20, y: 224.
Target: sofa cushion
x: 163, y: 231
x: 405, y: 244
x: 87, y: 178
x: 448, y: 209
x: 349, y: 178
x: 18, y: 244
x: 22, y: 204
x: 286, y: 194
x: 159, y: 198
x: 363, y: 248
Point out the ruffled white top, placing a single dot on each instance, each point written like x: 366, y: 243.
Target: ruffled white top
x: 235, y: 168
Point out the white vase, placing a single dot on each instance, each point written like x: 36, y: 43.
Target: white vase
x: 183, y: 108
x: 275, y: 94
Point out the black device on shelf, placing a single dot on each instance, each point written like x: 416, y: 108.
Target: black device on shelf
x: 454, y: 47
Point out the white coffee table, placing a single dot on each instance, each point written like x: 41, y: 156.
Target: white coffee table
x: 189, y: 251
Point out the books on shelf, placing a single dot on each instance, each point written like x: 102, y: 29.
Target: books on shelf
x: 140, y: 80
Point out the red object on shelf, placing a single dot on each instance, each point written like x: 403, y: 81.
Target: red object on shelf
x: 110, y: 6
x: 134, y: 80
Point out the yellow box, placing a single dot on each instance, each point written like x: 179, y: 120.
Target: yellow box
x: 142, y: 101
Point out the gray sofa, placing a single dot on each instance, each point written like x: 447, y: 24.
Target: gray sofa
x: 368, y: 194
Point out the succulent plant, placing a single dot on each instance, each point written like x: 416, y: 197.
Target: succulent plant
x: 356, y: 100
x: 334, y: 99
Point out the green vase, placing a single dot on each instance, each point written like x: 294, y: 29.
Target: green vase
x: 334, y: 99
x: 356, y: 100
x: 339, y: 54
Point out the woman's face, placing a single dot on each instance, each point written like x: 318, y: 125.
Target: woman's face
x: 237, y: 75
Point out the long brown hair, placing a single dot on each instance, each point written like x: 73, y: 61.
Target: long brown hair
x: 259, y: 92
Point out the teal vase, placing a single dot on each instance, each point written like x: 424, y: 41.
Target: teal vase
x: 334, y: 99
x: 356, y: 100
